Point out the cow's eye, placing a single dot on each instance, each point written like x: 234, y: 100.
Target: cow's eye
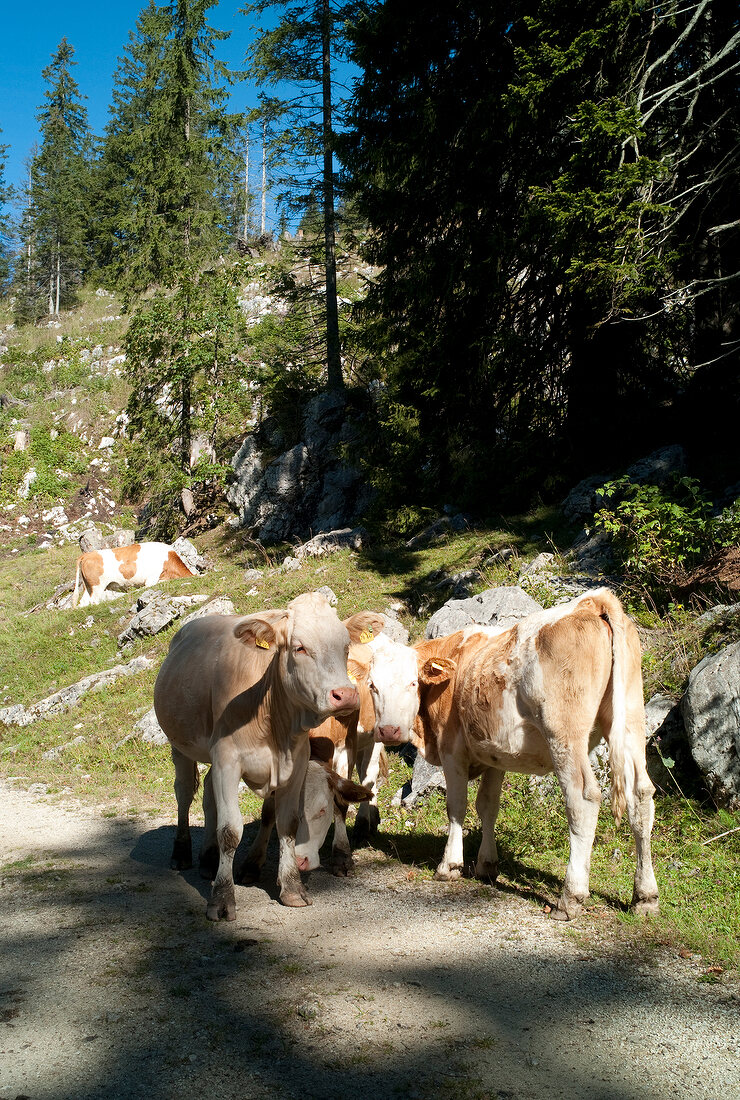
x: 372, y: 687
x: 414, y: 684
x: 300, y: 649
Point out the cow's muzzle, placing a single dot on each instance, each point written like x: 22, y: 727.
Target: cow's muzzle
x: 344, y: 700
x: 388, y: 735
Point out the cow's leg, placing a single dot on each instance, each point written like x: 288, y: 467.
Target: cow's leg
x: 487, y: 805
x: 341, y: 852
x: 582, y: 801
x: 209, y: 857
x: 251, y: 869
x: 368, y: 768
x: 288, y: 809
x: 225, y: 776
x: 456, y: 779
x: 641, y: 811
x: 186, y: 783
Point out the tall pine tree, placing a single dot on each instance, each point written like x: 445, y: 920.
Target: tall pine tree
x: 56, y: 220
x: 5, y: 193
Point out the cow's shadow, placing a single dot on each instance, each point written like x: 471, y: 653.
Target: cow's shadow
x: 154, y: 849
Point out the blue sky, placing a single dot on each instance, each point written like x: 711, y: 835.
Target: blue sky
x: 33, y: 30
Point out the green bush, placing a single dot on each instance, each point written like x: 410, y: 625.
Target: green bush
x: 660, y: 533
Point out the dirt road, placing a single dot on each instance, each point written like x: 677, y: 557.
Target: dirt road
x: 114, y: 985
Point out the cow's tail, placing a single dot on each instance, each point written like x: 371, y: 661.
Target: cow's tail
x: 616, y: 619
x: 76, y: 594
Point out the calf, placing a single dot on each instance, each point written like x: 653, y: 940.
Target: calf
x: 241, y: 693
x: 534, y: 698
x: 344, y: 742
x: 102, y: 574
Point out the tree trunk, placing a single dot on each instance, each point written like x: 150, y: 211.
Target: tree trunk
x: 263, y: 223
x: 335, y: 381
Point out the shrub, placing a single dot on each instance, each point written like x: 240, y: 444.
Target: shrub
x: 660, y: 533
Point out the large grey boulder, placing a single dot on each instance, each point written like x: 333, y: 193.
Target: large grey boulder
x: 154, y: 612
x: 503, y: 607
x: 61, y: 701
x: 655, y: 469
x: 711, y: 714
x: 306, y: 489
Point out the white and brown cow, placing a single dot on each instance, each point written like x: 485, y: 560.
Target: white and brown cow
x: 102, y: 574
x: 344, y: 742
x: 534, y: 698
x: 241, y: 693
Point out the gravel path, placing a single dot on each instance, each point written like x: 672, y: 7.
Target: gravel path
x: 113, y: 984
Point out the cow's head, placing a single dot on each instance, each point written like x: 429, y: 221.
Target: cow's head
x: 323, y: 791
x: 394, y: 686
x: 401, y: 679
x: 311, y: 645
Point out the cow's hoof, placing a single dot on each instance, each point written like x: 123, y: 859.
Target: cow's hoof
x: 448, y: 874
x: 182, y: 855
x: 644, y: 906
x: 248, y: 873
x: 568, y: 908
x: 366, y: 823
x: 222, y: 905
x: 294, y: 899
x: 487, y: 870
x: 341, y: 864
x: 208, y: 863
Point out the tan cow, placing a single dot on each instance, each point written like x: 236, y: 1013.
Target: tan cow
x: 241, y: 693
x: 102, y: 574
x: 534, y: 698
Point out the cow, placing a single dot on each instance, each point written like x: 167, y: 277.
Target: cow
x: 241, y: 693
x: 343, y: 742
x: 533, y: 698
x: 101, y: 574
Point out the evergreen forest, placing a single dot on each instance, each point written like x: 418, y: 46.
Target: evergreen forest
x: 538, y: 201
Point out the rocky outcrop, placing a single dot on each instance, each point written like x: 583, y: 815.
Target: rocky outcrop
x: 306, y: 489
x: 711, y: 714
x: 60, y: 701
x: 655, y: 469
x: 494, y: 607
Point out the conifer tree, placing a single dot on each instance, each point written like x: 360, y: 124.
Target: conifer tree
x: 56, y: 219
x: 300, y: 51
x: 5, y: 194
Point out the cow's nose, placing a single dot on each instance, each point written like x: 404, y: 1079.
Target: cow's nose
x: 389, y: 733
x: 302, y: 863
x: 344, y: 699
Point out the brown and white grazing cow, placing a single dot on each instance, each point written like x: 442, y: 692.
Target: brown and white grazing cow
x: 343, y: 742
x: 102, y: 574
x: 241, y: 693
x: 533, y: 698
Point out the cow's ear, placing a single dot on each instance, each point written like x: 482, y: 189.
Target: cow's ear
x: 437, y: 670
x: 263, y: 631
x: 364, y: 625
x: 322, y: 749
x: 346, y: 790
x: 357, y: 671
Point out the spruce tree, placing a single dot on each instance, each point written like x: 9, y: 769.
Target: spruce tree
x: 56, y: 219
x: 5, y: 194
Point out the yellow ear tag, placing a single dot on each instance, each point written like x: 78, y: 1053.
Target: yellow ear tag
x: 261, y: 643
x: 366, y: 636
x: 435, y: 667
x: 352, y: 679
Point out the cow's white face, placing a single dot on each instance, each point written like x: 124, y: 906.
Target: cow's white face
x: 318, y: 814
x: 394, y: 686
x: 323, y: 790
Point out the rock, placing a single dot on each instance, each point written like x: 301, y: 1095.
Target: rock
x: 330, y: 595
x: 55, y: 517
x: 290, y: 564
x: 503, y: 607
x: 217, y: 605
x: 540, y: 564
x: 592, y: 553
x: 252, y: 575
x: 21, y: 440
x: 430, y: 534
x: 670, y: 764
x: 91, y: 539
x: 106, y: 443
x: 461, y: 583
x: 155, y: 612
x: 425, y: 778
x: 28, y: 479
x: 122, y: 536
x: 61, y: 701
x: 189, y: 554
x: 711, y: 714
x: 53, y: 754
x: 394, y: 629
x: 148, y: 729
x: 582, y: 502
x: 331, y: 541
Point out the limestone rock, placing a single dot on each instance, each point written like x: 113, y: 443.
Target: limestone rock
x: 503, y: 606
x: 711, y: 713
